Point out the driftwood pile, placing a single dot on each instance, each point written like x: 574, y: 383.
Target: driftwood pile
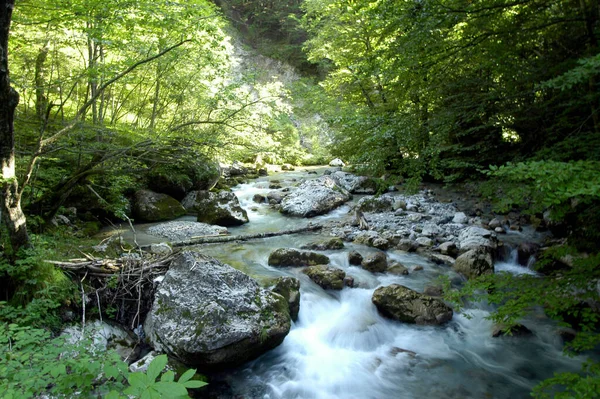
x: 122, y: 289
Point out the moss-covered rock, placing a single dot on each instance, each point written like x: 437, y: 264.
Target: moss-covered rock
x: 332, y: 244
x: 403, y: 304
x: 328, y: 278
x: 149, y: 206
x: 375, y: 263
x: 355, y: 258
x: 398, y: 269
x: 289, y: 288
x: 293, y: 257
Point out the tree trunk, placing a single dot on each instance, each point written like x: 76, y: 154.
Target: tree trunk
x: 9, y: 187
x: 41, y: 101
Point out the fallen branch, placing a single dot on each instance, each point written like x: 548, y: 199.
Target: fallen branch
x: 244, y: 237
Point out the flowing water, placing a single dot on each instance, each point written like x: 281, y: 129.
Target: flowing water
x: 340, y: 347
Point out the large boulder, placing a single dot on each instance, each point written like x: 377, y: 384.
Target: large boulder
x: 178, y: 179
x: 314, y: 197
x: 210, y: 315
x: 289, y: 288
x: 236, y: 169
x: 149, y: 206
x: 337, y: 162
x: 475, y: 262
x: 375, y: 263
x: 293, y: 257
x: 221, y: 208
x: 328, y: 278
x: 355, y: 184
x: 476, y: 237
x: 384, y: 203
x: 182, y: 229
x: 403, y: 304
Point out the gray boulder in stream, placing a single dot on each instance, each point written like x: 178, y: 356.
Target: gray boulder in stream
x: 474, y: 263
x: 355, y: 184
x: 210, y: 315
x: 293, y: 257
x: 403, y: 304
x: 475, y: 237
x: 315, y: 197
x: 221, y: 208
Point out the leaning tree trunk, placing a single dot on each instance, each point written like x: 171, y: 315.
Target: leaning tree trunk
x: 9, y: 98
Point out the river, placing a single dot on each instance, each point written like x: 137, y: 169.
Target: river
x: 340, y: 347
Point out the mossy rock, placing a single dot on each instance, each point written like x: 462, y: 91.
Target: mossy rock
x: 154, y: 207
x: 328, y: 278
x: 295, y: 258
x: 289, y: 288
x: 332, y: 244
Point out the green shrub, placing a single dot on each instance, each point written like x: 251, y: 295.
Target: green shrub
x: 33, y: 364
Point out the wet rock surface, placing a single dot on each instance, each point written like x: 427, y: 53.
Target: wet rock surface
x: 403, y: 304
x: 221, y: 208
x: 292, y: 257
x: 289, y: 288
x: 328, y: 278
x: 475, y: 262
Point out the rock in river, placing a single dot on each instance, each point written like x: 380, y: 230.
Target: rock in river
x: 328, y: 278
x: 474, y: 263
x: 289, y: 288
x: 375, y: 263
x: 403, y: 304
x: 149, y: 206
x: 355, y: 184
x: 293, y: 257
x: 314, y: 197
x: 210, y: 315
x: 221, y: 208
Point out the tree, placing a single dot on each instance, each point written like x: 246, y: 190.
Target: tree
x: 9, y: 98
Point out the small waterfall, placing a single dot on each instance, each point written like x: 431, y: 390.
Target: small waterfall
x: 510, y: 264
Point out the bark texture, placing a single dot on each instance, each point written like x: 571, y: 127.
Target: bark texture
x: 9, y: 98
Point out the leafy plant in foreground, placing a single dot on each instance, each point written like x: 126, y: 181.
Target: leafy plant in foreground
x: 33, y: 364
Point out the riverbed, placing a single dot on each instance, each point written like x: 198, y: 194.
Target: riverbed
x: 340, y: 347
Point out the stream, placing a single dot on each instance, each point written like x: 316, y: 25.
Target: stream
x: 340, y: 347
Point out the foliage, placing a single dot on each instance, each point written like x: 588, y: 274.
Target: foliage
x: 35, y: 364
x: 553, y: 184
x: 574, y: 385
x: 444, y: 89
x: 564, y: 295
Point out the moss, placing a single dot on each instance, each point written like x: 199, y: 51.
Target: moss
x: 91, y: 228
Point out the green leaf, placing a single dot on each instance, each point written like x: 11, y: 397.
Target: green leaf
x: 168, y: 376
x: 138, y: 380
x: 187, y: 375
x: 170, y: 389
x: 156, y: 366
x: 57, y: 370
x: 112, y: 395
x: 195, y: 384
